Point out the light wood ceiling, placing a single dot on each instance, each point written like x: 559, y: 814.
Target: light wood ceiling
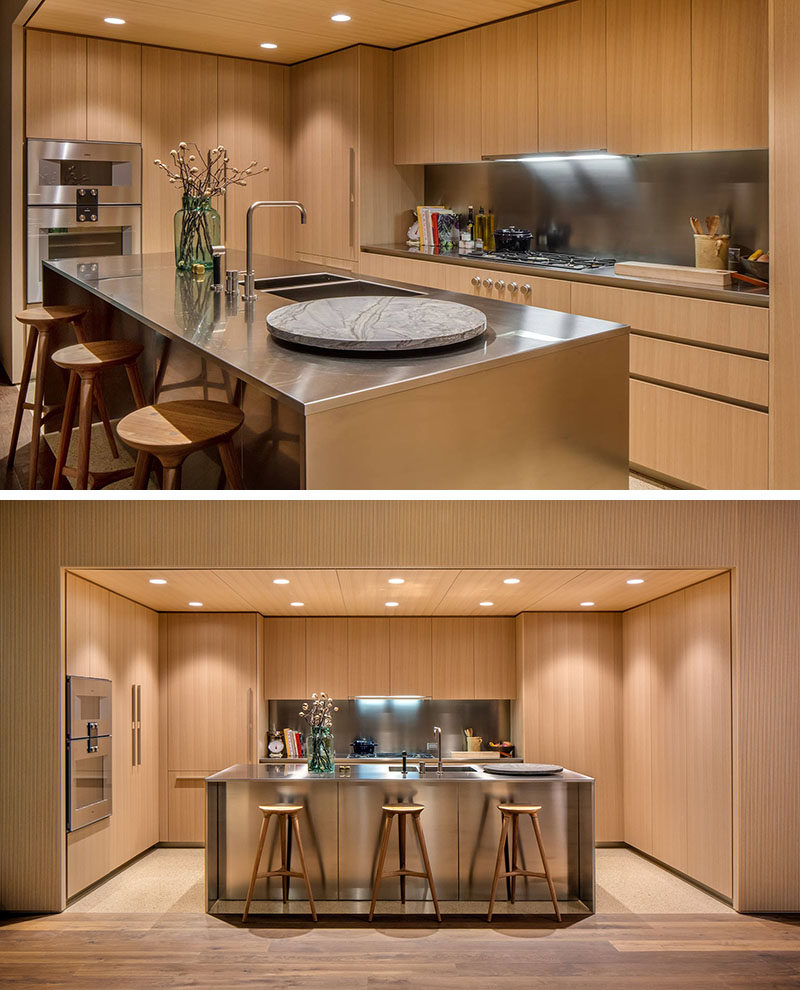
x: 300, y: 28
x: 365, y: 592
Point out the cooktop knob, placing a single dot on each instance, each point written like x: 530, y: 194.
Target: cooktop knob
x: 476, y: 280
x: 512, y: 286
x: 488, y: 282
x: 500, y: 284
x: 526, y: 289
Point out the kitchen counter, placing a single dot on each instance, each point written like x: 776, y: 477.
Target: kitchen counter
x: 340, y: 826
x: 538, y: 401
x: 738, y: 293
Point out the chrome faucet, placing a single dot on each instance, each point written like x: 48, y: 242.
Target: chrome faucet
x: 250, y: 275
x: 437, y: 731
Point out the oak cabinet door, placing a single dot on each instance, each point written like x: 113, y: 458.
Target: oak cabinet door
x: 495, y: 657
x: 368, y: 653
x: 413, y: 106
x: 410, y: 648
x: 55, y: 86
x: 114, y: 91
x: 284, y: 659
x: 453, y: 649
x: 509, y: 110
x: 326, y: 657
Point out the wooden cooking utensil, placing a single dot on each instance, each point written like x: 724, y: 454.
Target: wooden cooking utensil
x: 697, y: 227
x: 713, y: 223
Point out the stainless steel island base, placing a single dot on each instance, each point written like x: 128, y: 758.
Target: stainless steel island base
x: 341, y: 831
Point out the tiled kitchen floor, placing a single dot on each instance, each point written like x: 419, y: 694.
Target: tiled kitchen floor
x: 171, y: 881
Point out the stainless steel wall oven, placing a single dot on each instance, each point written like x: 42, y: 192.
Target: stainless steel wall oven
x: 88, y: 750
x: 84, y: 200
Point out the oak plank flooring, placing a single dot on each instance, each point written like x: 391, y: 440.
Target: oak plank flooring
x: 624, y: 951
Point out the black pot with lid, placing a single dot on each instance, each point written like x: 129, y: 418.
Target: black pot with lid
x: 513, y: 239
x: 363, y: 746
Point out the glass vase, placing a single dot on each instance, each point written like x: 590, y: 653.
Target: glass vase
x: 197, y: 229
x: 319, y: 751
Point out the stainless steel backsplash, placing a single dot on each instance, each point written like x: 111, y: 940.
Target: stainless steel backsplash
x: 405, y: 725
x: 626, y: 208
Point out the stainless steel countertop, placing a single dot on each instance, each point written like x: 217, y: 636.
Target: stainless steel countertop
x: 738, y: 293
x: 378, y: 773
x: 148, y: 288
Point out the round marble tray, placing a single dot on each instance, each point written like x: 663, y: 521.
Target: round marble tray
x: 376, y: 323
x: 523, y: 769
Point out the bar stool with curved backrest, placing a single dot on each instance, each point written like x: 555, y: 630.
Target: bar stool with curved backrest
x: 85, y: 362
x: 42, y: 320
x: 171, y: 431
x: 511, y: 813
x: 401, y: 812
x: 286, y: 819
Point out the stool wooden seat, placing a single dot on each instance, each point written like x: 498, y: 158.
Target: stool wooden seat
x: 171, y: 431
x: 41, y: 320
x: 511, y: 814
x: 85, y: 362
x: 401, y: 811
x: 287, y: 821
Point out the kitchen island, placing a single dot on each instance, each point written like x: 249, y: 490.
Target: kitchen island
x: 341, y: 821
x: 539, y: 401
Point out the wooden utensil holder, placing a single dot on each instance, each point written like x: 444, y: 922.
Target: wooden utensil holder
x: 712, y: 252
x: 474, y: 743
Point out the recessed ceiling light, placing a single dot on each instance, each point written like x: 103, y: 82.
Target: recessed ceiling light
x: 280, y: 581
x: 268, y: 44
x: 340, y: 17
x: 391, y: 604
x: 157, y: 581
x: 196, y: 604
x: 397, y: 580
x: 510, y: 580
x: 587, y: 604
x: 297, y: 604
x: 635, y: 581
x: 487, y: 603
x: 113, y: 20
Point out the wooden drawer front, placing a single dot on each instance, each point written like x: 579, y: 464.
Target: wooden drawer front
x: 404, y: 270
x: 718, y: 373
x: 697, y: 441
x: 741, y: 328
x: 187, y: 794
x: 549, y: 293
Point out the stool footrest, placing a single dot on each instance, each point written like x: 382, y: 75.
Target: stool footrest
x: 522, y: 873
x: 279, y: 873
x: 404, y: 873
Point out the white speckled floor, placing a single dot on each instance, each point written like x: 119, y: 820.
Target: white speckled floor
x: 171, y: 881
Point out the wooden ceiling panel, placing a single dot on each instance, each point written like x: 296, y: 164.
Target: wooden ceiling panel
x: 300, y: 28
x: 364, y: 592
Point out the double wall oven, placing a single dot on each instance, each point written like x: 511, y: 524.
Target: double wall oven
x: 84, y: 200
x: 88, y: 750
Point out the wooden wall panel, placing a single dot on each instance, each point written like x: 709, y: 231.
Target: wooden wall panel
x: 760, y: 540
x: 326, y: 656
x: 569, y: 672
x: 55, y: 86
x: 113, y: 91
x: 178, y: 90
x: 636, y: 735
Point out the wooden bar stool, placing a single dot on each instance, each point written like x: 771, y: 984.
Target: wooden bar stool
x: 286, y: 819
x: 401, y: 812
x: 171, y: 431
x: 84, y: 363
x: 41, y: 320
x: 511, y: 813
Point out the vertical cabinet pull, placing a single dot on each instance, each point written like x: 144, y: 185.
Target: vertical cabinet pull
x: 250, y: 726
x: 352, y: 197
x: 133, y: 725
x: 139, y: 724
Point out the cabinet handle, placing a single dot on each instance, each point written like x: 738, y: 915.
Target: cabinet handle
x: 133, y: 725
x: 352, y: 197
x: 138, y: 724
x: 250, y: 725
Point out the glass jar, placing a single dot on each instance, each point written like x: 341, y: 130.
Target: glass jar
x: 319, y: 751
x: 197, y: 229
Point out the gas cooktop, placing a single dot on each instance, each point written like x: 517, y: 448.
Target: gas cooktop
x: 544, y: 259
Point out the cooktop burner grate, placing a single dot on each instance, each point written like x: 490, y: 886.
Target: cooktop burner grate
x: 545, y: 259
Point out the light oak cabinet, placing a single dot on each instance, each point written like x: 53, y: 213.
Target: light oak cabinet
x: 369, y: 652
x: 649, y: 44
x: 327, y: 644
x: 284, y: 659
x: 495, y: 660
x: 413, y: 107
x: 677, y: 731
x: 410, y: 650
x: 572, y: 115
x: 509, y: 90
x: 113, y: 91
x: 453, y: 647
x: 55, y: 86
x: 514, y: 287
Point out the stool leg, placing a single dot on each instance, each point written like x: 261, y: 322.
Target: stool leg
x: 85, y: 426
x: 82, y: 337
x: 135, y: 380
x: 38, y: 400
x: 302, y: 855
x: 30, y: 352
x: 424, y: 850
x: 142, y: 473
x: 549, y: 879
x: 261, y: 836
x: 66, y: 428
x: 231, y: 465
x: 401, y: 846
x: 172, y: 476
x: 284, y: 828
x: 497, y: 865
x: 376, y: 883
x: 514, y: 848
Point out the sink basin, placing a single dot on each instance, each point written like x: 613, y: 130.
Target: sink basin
x: 286, y: 281
x: 430, y: 768
x: 339, y: 288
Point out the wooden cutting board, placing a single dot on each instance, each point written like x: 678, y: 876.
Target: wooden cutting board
x: 675, y: 273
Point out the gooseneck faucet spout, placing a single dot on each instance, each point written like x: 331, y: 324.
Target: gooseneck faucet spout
x: 437, y: 731
x: 250, y: 275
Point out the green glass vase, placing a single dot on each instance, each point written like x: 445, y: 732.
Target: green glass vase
x: 319, y: 751
x: 197, y: 229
